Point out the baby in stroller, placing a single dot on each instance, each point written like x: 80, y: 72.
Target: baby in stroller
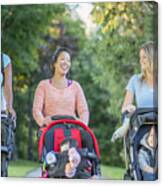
x: 140, y: 145
x: 147, y: 155
x: 68, y: 149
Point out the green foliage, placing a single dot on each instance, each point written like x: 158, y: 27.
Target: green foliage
x: 101, y: 122
x: 116, y: 56
x: 102, y: 63
x: 117, y: 48
x: 23, y: 28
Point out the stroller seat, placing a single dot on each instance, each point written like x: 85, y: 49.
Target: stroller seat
x: 60, y: 130
x: 140, y: 124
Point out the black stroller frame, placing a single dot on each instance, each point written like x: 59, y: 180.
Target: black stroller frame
x: 141, y: 117
x: 8, y: 126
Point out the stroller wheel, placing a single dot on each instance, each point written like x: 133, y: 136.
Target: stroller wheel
x: 127, y: 176
x: 4, y: 165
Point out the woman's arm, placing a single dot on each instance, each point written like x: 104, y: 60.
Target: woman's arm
x: 38, y: 104
x: 8, y: 92
x: 128, y: 102
x: 81, y: 105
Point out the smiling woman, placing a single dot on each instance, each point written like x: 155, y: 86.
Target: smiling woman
x: 59, y: 95
x: 61, y: 63
x: 143, y: 87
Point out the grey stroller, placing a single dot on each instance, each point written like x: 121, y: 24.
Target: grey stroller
x: 140, y: 124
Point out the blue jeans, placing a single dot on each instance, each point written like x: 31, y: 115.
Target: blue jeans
x: 149, y: 176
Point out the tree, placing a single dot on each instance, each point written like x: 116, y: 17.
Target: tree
x: 122, y: 28
x: 23, y: 27
x: 102, y: 62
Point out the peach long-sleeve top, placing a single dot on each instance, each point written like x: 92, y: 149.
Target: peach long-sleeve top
x: 50, y: 101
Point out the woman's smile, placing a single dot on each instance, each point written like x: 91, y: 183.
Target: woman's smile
x: 64, y: 66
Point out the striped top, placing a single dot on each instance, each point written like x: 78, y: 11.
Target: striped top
x: 50, y: 101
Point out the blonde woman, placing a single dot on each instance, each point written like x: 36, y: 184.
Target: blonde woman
x: 141, y: 88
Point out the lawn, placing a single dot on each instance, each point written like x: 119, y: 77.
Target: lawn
x: 21, y: 167
x: 114, y: 173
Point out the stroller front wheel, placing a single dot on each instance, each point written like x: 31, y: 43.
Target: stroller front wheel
x: 4, y: 165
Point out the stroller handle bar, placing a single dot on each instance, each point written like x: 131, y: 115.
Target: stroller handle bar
x: 58, y: 117
x: 138, y: 111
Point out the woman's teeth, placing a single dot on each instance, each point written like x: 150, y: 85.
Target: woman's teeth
x: 64, y: 67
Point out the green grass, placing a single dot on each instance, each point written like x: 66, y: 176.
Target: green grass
x: 114, y: 173
x: 20, y: 168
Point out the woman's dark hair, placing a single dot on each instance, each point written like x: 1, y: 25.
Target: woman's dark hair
x: 56, y: 55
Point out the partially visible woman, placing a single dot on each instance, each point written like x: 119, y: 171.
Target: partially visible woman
x: 143, y: 87
x: 141, y: 91
x: 59, y: 95
x: 6, y: 86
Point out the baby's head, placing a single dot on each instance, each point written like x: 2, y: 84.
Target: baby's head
x: 67, y: 144
x: 152, y: 137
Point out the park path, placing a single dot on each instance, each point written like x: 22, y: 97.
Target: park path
x: 36, y: 173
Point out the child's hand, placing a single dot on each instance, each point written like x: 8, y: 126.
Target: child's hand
x: 69, y: 171
x: 149, y: 169
x: 74, y: 157
x: 155, y: 169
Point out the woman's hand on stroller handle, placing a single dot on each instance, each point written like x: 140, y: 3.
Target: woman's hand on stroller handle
x: 130, y: 108
x: 76, y: 118
x: 11, y: 113
x: 60, y: 117
x: 8, y: 119
x: 46, y: 121
x: 49, y: 119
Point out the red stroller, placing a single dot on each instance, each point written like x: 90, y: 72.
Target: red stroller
x: 55, y: 140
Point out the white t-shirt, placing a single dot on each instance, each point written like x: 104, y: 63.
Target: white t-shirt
x: 6, y: 62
